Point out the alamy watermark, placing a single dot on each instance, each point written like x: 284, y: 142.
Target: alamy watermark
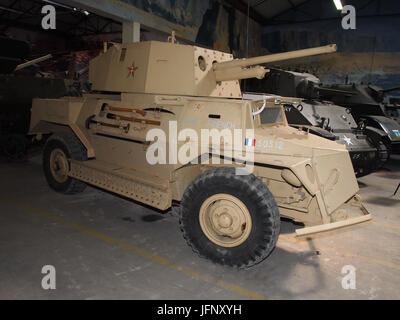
x: 349, y: 278
x: 49, y: 280
x: 49, y: 19
x: 194, y: 149
x: 349, y: 20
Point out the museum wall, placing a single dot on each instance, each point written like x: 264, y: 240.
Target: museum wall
x: 217, y: 24
x: 371, y: 53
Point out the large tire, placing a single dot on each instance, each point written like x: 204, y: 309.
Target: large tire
x: 15, y: 146
x: 58, y: 149
x: 219, y: 197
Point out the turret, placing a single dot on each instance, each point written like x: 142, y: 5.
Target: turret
x: 169, y: 68
x: 288, y: 84
x: 357, y: 94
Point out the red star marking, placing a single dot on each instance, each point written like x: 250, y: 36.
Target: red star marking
x: 132, y: 70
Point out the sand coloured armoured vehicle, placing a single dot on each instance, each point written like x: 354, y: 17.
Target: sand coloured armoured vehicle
x: 229, y: 211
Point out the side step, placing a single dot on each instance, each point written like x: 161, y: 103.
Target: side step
x: 131, y: 184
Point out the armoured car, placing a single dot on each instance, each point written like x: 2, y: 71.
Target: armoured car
x: 168, y: 125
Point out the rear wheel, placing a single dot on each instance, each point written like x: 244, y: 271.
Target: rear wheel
x: 230, y: 219
x: 14, y: 147
x: 58, y: 149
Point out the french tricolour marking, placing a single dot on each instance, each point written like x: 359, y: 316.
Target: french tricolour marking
x: 250, y: 142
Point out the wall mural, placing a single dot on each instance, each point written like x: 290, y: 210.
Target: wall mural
x: 217, y: 24
x: 369, y: 54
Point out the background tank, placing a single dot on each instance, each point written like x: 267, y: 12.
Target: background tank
x: 364, y: 99
x: 17, y: 92
x: 371, y: 105
x: 321, y: 117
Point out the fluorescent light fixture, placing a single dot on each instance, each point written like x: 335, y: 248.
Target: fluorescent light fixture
x: 57, y: 4
x: 338, y: 4
x: 67, y: 7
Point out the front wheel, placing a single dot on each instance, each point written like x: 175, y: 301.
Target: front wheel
x: 230, y: 219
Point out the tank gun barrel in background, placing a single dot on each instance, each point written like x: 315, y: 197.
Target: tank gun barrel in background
x: 324, y: 90
x: 31, y: 62
x: 235, y: 69
x: 390, y: 89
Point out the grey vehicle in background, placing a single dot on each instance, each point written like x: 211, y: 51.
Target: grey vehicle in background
x: 371, y: 105
x: 321, y: 117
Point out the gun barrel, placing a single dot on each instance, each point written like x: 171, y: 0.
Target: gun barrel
x: 240, y: 73
x: 335, y: 91
x: 275, y: 57
x: 31, y: 62
x: 391, y: 89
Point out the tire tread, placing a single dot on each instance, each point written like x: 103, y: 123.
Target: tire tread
x: 258, y: 191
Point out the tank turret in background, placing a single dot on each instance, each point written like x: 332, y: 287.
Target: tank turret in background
x: 364, y: 99
x: 371, y: 106
x: 322, y: 117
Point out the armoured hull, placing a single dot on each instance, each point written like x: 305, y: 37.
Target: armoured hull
x: 322, y: 167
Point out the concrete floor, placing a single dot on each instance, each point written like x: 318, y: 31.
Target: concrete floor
x: 107, y: 247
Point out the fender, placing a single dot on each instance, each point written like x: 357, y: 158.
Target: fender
x: 387, y: 125
x: 376, y: 134
x: 55, y: 115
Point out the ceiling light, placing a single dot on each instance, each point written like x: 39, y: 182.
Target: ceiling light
x: 338, y: 4
x: 57, y: 4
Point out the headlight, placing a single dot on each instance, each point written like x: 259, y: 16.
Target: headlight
x: 290, y: 178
